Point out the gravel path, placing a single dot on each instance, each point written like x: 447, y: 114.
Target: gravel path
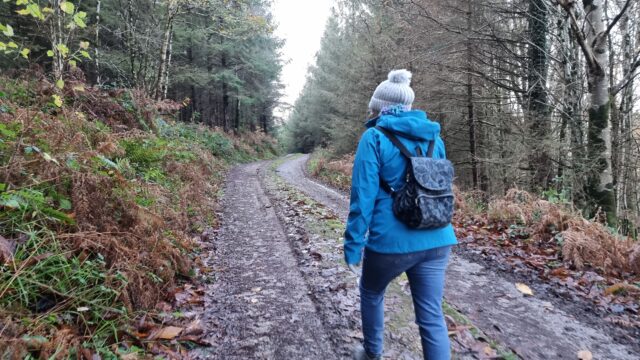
x: 533, y: 328
x: 258, y: 306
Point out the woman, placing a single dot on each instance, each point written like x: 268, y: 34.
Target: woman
x: 375, y: 237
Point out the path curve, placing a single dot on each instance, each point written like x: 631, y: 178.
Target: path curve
x: 528, y: 325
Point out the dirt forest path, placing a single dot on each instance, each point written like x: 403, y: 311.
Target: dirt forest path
x: 260, y: 303
x: 270, y: 301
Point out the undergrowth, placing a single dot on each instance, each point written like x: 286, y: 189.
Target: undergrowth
x: 335, y: 172
x: 99, y: 203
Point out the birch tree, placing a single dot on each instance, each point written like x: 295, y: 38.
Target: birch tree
x: 593, y: 41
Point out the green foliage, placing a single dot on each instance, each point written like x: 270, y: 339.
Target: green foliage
x: 552, y: 195
x: 218, y: 143
x: 8, y: 46
x: 62, y: 19
x: 18, y: 92
x: 45, y: 206
x: 42, y: 275
x: 331, y: 109
x: 8, y: 134
x: 145, y: 153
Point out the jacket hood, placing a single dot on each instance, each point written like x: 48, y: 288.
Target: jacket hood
x: 409, y: 124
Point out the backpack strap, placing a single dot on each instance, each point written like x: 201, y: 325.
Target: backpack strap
x: 431, y: 146
x: 403, y: 150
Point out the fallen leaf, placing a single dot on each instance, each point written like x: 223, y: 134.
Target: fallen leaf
x: 488, y: 351
x: 585, y: 355
x: 166, y: 333
x: 34, y: 260
x: 560, y: 272
x: 195, y: 339
x: 34, y: 342
x: 7, y: 247
x: 163, y: 306
x: 621, y: 289
x: 526, y: 290
x: 194, y: 328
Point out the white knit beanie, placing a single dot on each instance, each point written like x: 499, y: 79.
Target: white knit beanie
x: 393, y: 91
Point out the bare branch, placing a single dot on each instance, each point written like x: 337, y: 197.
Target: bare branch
x: 586, y: 49
x: 617, y: 18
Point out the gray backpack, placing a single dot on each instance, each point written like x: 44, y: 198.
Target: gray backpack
x: 426, y: 200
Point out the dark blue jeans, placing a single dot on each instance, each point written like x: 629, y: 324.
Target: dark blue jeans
x: 425, y: 270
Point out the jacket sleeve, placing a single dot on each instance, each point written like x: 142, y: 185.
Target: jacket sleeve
x: 365, y: 185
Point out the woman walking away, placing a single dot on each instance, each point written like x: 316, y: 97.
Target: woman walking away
x: 400, y: 216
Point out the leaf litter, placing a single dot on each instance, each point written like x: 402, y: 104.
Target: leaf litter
x: 555, y: 250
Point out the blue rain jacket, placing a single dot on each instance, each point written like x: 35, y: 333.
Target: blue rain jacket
x: 371, y: 221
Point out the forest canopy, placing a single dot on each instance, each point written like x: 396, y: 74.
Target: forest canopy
x: 220, y: 57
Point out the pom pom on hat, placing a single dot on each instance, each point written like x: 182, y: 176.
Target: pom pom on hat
x: 400, y: 76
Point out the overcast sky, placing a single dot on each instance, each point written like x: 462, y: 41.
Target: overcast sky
x: 300, y: 24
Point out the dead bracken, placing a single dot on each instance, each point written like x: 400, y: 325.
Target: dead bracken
x: 109, y: 189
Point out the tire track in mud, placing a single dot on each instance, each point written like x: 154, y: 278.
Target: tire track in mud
x: 528, y: 325
x: 258, y: 306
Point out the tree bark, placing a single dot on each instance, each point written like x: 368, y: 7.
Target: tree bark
x: 540, y: 164
x: 225, y: 95
x: 594, y: 45
x: 571, y: 113
x: 236, y: 123
x: 97, y: 43
x: 165, y: 54
x: 470, y: 110
x: 165, y: 84
x: 600, y: 179
x: 56, y: 38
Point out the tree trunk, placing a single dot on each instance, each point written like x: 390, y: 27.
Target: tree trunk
x: 470, y: 110
x: 623, y: 137
x: 571, y: 113
x: 263, y: 122
x: 165, y: 54
x: 236, y: 124
x: 97, y: 44
x: 56, y: 37
x: 600, y: 179
x: 130, y: 41
x: 539, y: 119
x: 165, y: 84
x: 225, y: 95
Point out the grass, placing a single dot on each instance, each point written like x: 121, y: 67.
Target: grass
x: 48, y: 286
